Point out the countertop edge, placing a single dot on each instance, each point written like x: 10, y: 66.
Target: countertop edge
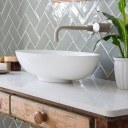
x: 109, y: 115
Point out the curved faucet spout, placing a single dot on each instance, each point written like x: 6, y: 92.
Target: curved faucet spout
x: 87, y: 28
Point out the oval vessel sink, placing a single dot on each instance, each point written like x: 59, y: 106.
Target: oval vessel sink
x: 57, y: 66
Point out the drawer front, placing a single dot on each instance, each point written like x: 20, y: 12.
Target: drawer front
x: 56, y: 118
x: 4, y: 103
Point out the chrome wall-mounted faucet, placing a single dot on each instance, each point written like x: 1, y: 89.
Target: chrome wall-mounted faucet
x: 96, y: 27
x: 87, y: 28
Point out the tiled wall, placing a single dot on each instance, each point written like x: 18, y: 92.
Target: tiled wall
x: 8, y: 122
x: 30, y: 24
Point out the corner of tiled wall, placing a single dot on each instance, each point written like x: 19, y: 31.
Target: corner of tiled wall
x: 10, y: 122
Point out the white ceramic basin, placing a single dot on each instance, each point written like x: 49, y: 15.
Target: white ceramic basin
x: 57, y: 66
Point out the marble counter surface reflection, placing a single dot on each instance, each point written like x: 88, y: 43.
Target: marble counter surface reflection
x: 98, y: 96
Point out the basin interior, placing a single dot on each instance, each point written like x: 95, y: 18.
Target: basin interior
x: 61, y: 53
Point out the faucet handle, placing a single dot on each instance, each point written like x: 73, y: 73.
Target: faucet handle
x: 96, y: 27
x: 101, y: 27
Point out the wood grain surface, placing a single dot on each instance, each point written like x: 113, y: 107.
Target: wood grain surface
x: 120, y: 123
x: 56, y: 118
x: 4, y: 103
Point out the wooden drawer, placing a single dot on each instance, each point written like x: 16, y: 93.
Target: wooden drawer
x: 31, y: 112
x: 4, y: 103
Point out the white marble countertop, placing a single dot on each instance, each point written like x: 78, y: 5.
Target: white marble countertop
x: 93, y: 95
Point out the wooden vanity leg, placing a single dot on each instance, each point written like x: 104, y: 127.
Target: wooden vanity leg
x: 100, y: 123
x: 120, y: 123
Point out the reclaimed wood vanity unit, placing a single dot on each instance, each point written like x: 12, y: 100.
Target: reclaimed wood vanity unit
x: 89, y: 103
